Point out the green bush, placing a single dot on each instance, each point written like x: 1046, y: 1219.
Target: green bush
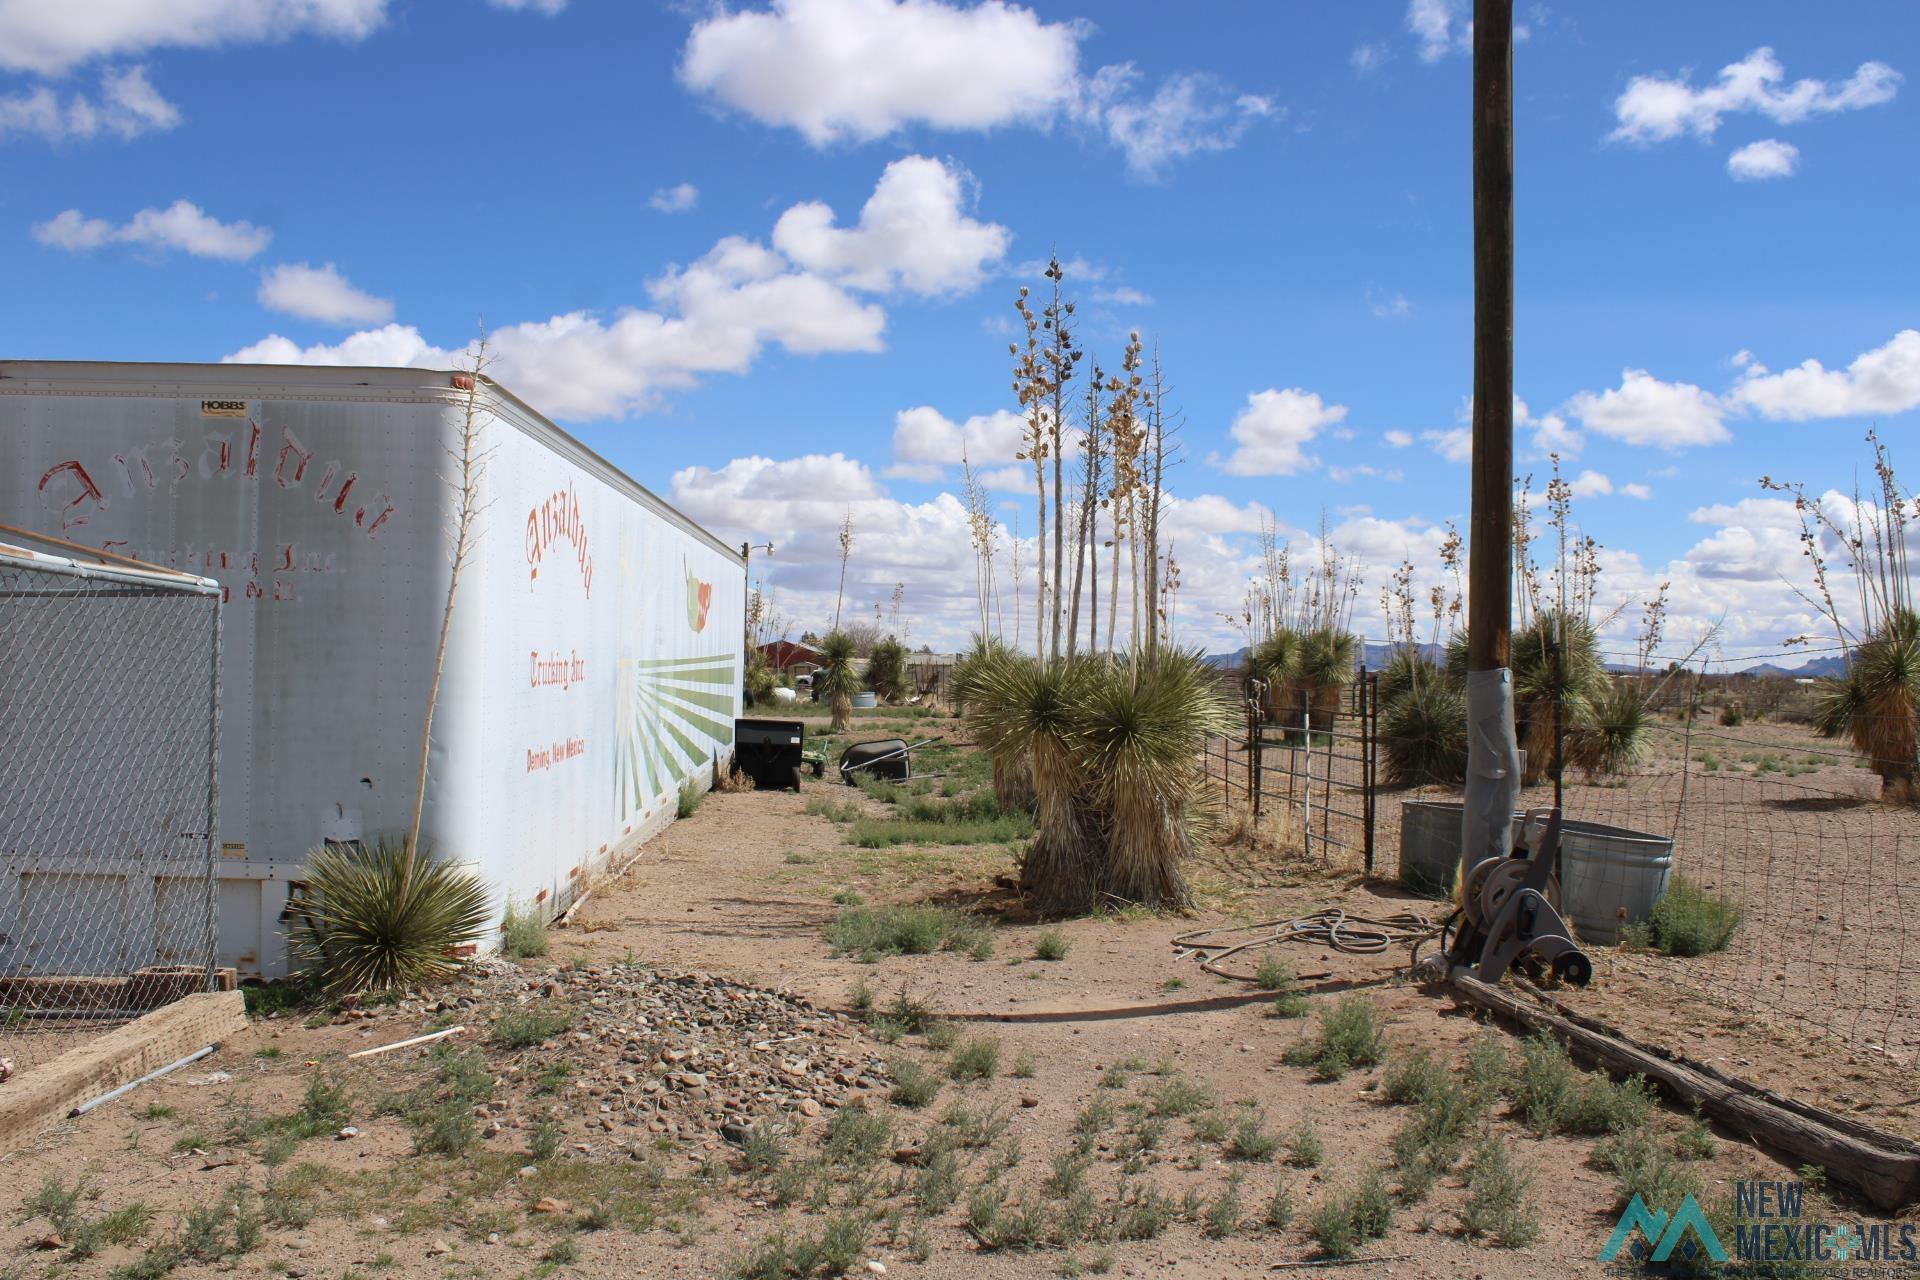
x: 871, y: 932
x: 688, y: 803
x: 524, y: 1027
x: 1347, y: 1036
x: 1052, y: 945
x: 1690, y: 921
x: 381, y: 917
x: 523, y: 933
x: 1496, y: 1204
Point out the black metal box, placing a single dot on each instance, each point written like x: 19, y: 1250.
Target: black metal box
x: 768, y: 751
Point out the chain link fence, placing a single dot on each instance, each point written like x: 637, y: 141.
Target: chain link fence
x: 109, y: 712
x: 1733, y: 790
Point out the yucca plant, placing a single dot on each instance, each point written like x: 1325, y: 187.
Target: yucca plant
x: 381, y: 917
x: 887, y: 670
x: 836, y: 677
x: 1328, y: 658
x: 760, y: 680
x: 1276, y: 660
x: 1617, y: 735
x: 1022, y: 708
x: 1405, y: 670
x: 1425, y: 728
x: 1554, y: 657
x: 1876, y: 705
x: 1012, y: 775
x: 1137, y: 734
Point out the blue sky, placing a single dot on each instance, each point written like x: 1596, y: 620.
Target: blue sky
x: 1278, y: 194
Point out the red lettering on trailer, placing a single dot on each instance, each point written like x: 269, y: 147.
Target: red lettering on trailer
x: 253, y: 449
x: 290, y: 445
x: 559, y: 518
x: 340, y: 501
x: 87, y: 491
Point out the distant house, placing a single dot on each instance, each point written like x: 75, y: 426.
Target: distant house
x: 790, y: 658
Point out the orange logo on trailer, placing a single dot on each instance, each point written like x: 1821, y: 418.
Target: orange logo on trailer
x: 699, y: 600
x: 559, y: 519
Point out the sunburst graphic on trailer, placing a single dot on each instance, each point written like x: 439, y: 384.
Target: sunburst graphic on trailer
x: 675, y: 714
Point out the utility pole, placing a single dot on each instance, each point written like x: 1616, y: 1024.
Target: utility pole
x: 1493, y: 760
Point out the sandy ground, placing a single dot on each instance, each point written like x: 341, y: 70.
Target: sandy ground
x: 744, y: 890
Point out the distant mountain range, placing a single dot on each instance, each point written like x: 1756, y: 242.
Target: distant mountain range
x: 1376, y: 657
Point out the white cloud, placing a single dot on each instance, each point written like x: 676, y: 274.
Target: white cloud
x: 1643, y: 410
x: 1388, y: 305
x: 1636, y: 490
x: 1654, y: 108
x: 181, y: 226
x: 1551, y: 434
x: 1441, y: 27
x: 1364, y: 471
x: 1767, y: 158
x: 1271, y: 434
x: 51, y: 38
x: 926, y: 442
x: 1122, y: 296
x: 838, y: 70
x: 1455, y: 444
x: 911, y: 234
x: 1368, y: 58
x: 713, y: 316
x: 321, y: 293
x: 1884, y: 380
x: 127, y: 106
x: 1398, y: 439
x: 858, y: 70
x: 545, y: 8
x: 674, y: 199
x: 1590, y: 484
x: 1187, y: 115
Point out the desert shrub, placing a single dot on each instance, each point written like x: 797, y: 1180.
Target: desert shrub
x: 1617, y: 734
x: 1274, y: 974
x: 1691, y: 921
x: 1411, y: 1076
x: 1541, y: 1088
x: 1051, y: 945
x: 913, y: 1084
x: 523, y: 1027
x: 383, y: 916
x: 1732, y: 713
x: 1347, y: 1036
x: 689, y: 799
x: 523, y: 932
x: 1251, y: 1139
x: 1642, y: 1165
x: 870, y: 932
x: 1346, y: 1221
x: 1305, y: 1149
x: 977, y: 1059
x: 1496, y: 1205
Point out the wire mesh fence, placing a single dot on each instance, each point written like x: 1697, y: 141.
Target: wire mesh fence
x: 109, y: 704
x: 1731, y: 789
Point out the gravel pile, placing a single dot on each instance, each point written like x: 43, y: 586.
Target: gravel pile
x: 651, y: 1054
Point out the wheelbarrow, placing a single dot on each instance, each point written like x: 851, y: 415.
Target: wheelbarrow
x: 890, y: 759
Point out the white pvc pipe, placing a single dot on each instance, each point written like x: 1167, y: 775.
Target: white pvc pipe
x: 401, y: 1044
x: 131, y: 1085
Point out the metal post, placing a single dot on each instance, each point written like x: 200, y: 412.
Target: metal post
x: 213, y: 803
x: 1306, y: 795
x: 1493, y: 755
x: 1368, y: 696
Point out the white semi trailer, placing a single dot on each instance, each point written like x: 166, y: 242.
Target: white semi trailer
x: 594, y: 660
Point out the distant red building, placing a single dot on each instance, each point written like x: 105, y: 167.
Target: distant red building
x: 791, y: 656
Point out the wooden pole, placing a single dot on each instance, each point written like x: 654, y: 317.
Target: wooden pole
x: 1490, y: 562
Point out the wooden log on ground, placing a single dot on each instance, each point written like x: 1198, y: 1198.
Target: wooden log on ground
x: 1882, y: 1167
